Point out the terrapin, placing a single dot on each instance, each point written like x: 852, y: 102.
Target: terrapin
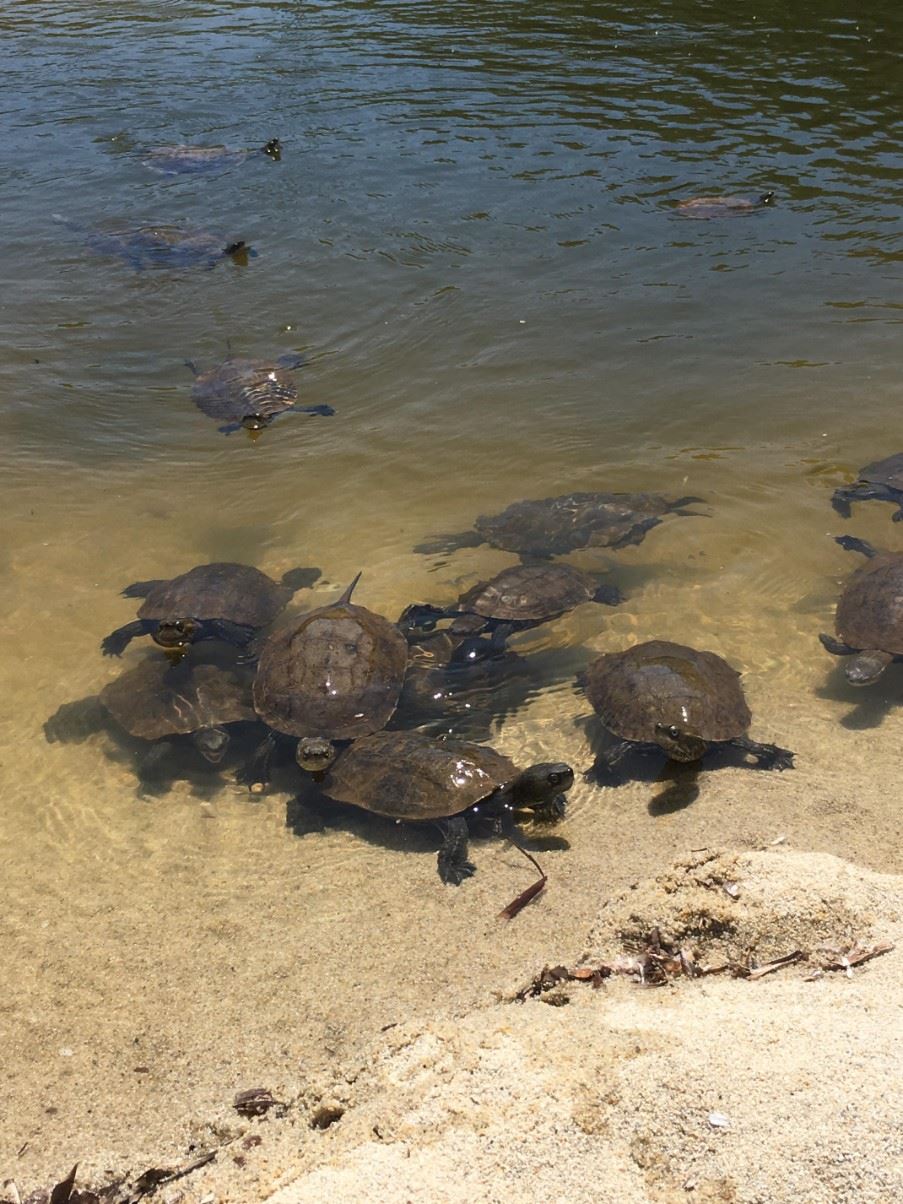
x: 516, y: 599
x: 156, y: 701
x: 249, y: 394
x: 334, y: 674
x: 168, y: 247
x: 882, y: 481
x: 676, y: 698
x: 220, y: 601
x: 411, y: 777
x: 724, y: 206
x: 869, y: 618
x: 181, y: 159
x: 553, y: 526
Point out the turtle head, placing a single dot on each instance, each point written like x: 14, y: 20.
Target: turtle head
x: 176, y: 634
x: 678, y: 743
x: 255, y: 422
x: 315, y: 753
x: 419, y: 616
x: 211, y: 743
x: 767, y: 198
x: 866, y: 667
x: 273, y: 149
x: 541, y: 788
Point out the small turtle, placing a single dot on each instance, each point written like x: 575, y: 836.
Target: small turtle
x: 155, y: 702
x: 164, y: 246
x: 334, y: 674
x: 554, y: 526
x: 221, y: 601
x: 665, y: 695
x: 881, y: 481
x: 869, y: 618
x: 181, y: 159
x: 517, y: 598
x: 411, y: 777
x: 249, y: 394
x: 724, y: 206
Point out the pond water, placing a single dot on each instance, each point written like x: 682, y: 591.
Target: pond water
x: 473, y: 238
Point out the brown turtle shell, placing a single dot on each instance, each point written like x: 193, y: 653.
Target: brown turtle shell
x: 529, y: 593
x: 237, y: 592
x: 719, y: 206
x: 661, y: 682
x: 337, y: 672
x: 239, y: 387
x: 165, y: 246
x: 156, y: 699
x: 870, y: 610
x: 553, y: 526
x: 176, y: 159
x: 406, y: 775
x: 888, y: 471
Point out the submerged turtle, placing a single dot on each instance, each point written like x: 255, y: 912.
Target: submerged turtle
x: 516, y: 599
x: 221, y: 601
x: 882, y: 481
x: 182, y: 159
x: 678, y: 699
x: 411, y: 777
x: 249, y: 394
x: 167, y: 247
x: 724, y: 206
x: 334, y: 674
x: 553, y: 526
x: 156, y: 701
x: 869, y: 618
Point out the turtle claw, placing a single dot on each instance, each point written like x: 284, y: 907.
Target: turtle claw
x: 454, y: 872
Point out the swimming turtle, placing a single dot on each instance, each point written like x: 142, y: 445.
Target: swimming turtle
x: 553, y: 526
x: 411, y: 777
x: 516, y: 599
x: 181, y: 159
x: 676, y: 698
x: 165, y: 246
x: 156, y: 702
x: 220, y: 601
x: 334, y: 674
x: 724, y: 206
x: 869, y: 617
x: 249, y: 394
x: 882, y: 481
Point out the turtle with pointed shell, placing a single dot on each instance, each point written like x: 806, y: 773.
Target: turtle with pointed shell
x: 869, y: 618
x: 246, y: 394
x: 724, y: 206
x: 673, y: 698
x: 220, y: 601
x: 541, y: 528
x: 180, y: 159
x: 413, y: 778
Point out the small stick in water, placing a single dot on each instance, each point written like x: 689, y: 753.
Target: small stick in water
x: 535, y: 888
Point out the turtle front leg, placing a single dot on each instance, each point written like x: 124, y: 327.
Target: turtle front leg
x: 836, y: 647
x: 606, y: 761
x: 117, y: 641
x: 325, y: 411
x: 256, y: 772
x: 861, y: 492
x: 768, y: 756
x: 140, y: 589
x: 151, y: 766
x: 851, y: 543
x: 238, y: 634
x: 452, y: 860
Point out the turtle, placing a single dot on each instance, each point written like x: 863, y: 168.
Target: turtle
x: 220, y: 601
x: 411, y: 777
x: 516, y: 599
x: 181, y: 159
x: 164, y: 246
x: 553, y: 526
x: 156, y: 702
x: 333, y: 675
x: 869, y: 617
x: 676, y: 698
x: 724, y: 206
x: 882, y: 481
x: 249, y: 394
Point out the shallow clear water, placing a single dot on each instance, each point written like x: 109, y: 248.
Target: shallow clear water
x: 473, y: 238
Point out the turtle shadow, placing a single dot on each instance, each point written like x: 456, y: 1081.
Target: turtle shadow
x: 871, y: 705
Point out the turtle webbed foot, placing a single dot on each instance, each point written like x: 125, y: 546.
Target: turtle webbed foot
x: 255, y: 773
x: 768, y: 756
x: 840, y: 501
x: 452, y: 860
x: 117, y: 641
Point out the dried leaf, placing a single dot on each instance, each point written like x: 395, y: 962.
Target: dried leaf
x: 855, y: 955
x: 520, y: 902
x: 256, y: 1101
x: 62, y: 1193
x: 777, y: 964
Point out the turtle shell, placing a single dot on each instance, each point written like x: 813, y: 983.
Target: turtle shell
x: 166, y: 247
x: 888, y: 471
x: 529, y: 593
x: 870, y: 610
x: 721, y: 206
x: 156, y: 699
x: 237, y: 592
x: 238, y: 388
x: 181, y: 159
x: 406, y: 775
x: 661, y: 682
x: 553, y: 526
x: 337, y: 672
